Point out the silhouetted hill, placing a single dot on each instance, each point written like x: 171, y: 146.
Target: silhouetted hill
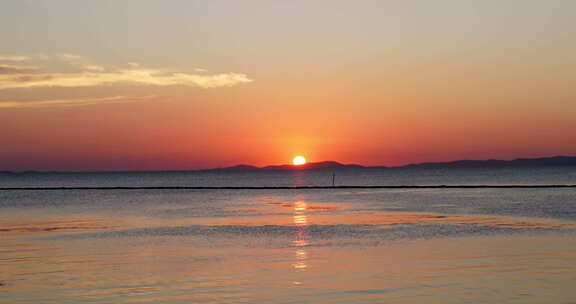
x: 327, y: 165
x: 237, y: 168
x: 557, y: 161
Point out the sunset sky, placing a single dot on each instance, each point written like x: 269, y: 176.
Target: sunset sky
x: 175, y: 85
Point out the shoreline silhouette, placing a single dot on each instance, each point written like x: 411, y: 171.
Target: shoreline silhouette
x: 288, y: 187
x: 542, y: 162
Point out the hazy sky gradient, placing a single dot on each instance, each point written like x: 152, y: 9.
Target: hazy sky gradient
x: 150, y: 85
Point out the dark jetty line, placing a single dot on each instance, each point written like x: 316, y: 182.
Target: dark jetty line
x: 291, y: 188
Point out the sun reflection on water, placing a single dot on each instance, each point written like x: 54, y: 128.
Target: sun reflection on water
x: 300, y: 220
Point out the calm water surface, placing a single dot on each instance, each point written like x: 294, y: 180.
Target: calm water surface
x: 288, y: 246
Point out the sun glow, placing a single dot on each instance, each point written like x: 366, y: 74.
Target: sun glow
x: 299, y: 160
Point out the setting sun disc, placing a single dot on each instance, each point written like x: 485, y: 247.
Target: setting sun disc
x: 299, y: 160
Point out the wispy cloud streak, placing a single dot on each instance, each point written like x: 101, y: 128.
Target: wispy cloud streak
x: 73, y: 102
x: 123, y: 77
x: 14, y: 69
x: 88, y: 74
x: 15, y: 58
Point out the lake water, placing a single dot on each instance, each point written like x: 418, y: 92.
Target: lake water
x: 289, y: 246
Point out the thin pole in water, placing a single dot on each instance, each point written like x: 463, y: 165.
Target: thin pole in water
x: 333, y: 178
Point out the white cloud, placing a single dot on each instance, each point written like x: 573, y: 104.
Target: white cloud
x: 94, y: 67
x: 14, y: 69
x: 90, y: 74
x: 81, y: 63
x: 15, y: 58
x: 123, y: 77
x: 72, y: 102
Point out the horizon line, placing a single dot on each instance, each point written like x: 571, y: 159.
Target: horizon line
x: 296, y: 167
x: 479, y: 186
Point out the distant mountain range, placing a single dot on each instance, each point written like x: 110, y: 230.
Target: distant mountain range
x: 327, y: 165
x: 557, y: 161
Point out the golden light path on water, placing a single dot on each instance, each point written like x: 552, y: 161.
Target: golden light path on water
x: 300, y: 242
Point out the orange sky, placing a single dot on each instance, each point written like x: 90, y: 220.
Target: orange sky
x: 212, y: 83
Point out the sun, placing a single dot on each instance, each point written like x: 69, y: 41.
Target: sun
x: 299, y: 160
